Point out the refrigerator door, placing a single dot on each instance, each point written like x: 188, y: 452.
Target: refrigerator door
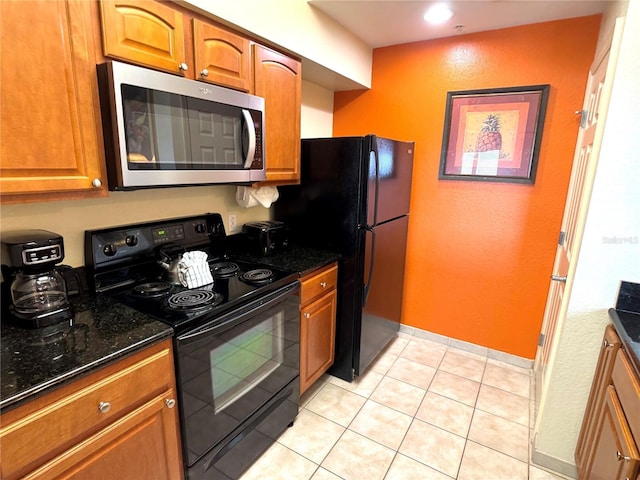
x: 389, y: 179
x: 324, y: 211
x: 383, y: 303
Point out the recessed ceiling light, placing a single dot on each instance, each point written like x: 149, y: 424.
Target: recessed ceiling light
x: 438, y: 13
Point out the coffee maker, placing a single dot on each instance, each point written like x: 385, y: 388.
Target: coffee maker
x: 37, y: 289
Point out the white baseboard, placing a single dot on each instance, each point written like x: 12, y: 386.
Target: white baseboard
x: 553, y: 464
x: 469, y: 347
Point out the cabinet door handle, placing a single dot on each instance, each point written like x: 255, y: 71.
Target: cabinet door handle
x: 183, y: 67
x: 620, y: 456
x: 307, y: 315
x: 204, y: 72
x: 104, y: 407
x: 606, y: 344
x: 170, y: 402
x: 323, y: 284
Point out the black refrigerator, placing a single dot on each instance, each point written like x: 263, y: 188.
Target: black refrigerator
x: 353, y: 198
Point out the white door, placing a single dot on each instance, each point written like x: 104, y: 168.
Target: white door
x: 583, y: 171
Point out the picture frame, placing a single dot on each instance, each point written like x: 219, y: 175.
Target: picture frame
x: 493, y: 135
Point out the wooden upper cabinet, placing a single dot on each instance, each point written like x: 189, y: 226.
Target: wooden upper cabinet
x: 221, y: 57
x: 145, y: 32
x: 50, y: 135
x: 278, y: 79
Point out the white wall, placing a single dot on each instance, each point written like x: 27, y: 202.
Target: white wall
x: 317, y: 111
x: 610, y: 252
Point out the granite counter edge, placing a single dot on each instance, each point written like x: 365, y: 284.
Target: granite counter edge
x: 24, y: 396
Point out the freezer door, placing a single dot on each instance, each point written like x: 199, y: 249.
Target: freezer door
x: 389, y: 179
x: 383, y: 298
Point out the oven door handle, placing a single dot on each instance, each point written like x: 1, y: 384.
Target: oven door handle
x: 236, y: 317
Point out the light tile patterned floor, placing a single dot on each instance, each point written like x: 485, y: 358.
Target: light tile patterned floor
x: 422, y: 411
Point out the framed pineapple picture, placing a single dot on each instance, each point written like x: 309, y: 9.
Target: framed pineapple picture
x: 493, y: 134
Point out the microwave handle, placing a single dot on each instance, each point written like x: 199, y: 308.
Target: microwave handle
x: 251, y: 151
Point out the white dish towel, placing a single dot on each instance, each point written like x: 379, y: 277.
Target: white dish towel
x: 193, y: 270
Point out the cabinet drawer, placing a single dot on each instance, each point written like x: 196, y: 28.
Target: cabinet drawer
x: 627, y: 386
x: 62, y: 420
x: 318, y: 284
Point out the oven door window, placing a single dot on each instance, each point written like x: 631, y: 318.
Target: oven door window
x: 166, y: 131
x: 228, y: 373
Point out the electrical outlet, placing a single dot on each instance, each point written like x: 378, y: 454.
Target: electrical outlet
x: 232, y: 223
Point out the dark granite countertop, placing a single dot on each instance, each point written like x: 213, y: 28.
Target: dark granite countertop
x: 32, y: 361
x: 626, y: 320
x: 295, y: 259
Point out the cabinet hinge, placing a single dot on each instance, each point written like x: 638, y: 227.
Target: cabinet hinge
x: 541, y: 340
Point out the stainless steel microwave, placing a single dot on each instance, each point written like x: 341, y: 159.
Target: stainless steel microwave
x: 161, y: 130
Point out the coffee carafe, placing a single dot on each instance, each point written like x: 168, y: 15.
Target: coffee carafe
x: 38, y: 291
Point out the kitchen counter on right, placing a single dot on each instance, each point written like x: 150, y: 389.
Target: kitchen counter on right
x: 626, y: 320
x: 296, y: 258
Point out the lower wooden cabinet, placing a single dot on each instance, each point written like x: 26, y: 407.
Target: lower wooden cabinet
x: 318, y: 298
x: 607, y: 448
x: 120, y: 422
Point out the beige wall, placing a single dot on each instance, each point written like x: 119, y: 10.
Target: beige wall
x: 317, y: 111
x: 71, y: 218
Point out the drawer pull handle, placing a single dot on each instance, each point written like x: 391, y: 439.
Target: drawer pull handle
x: 323, y: 284
x: 104, y: 407
x: 307, y: 315
x: 170, y: 402
x: 620, y: 456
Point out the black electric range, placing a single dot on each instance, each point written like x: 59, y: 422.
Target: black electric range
x: 236, y: 338
x: 125, y: 263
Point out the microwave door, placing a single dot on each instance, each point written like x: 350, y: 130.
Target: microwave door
x: 215, y: 133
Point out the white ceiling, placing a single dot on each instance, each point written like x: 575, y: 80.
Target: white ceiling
x: 381, y: 23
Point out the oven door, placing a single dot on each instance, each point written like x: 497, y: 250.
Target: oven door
x: 236, y: 371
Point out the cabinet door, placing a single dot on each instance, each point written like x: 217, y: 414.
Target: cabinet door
x: 615, y: 455
x: 601, y: 380
x: 317, y: 338
x: 144, y: 32
x: 50, y: 135
x: 278, y: 79
x: 143, y: 444
x: 221, y: 57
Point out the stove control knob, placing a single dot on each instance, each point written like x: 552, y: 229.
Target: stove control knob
x: 109, y: 250
x: 131, y: 240
x: 201, y: 228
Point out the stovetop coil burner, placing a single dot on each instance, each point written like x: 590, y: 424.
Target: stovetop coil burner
x: 259, y: 276
x: 224, y: 269
x: 193, y: 300
x: 152, y: 289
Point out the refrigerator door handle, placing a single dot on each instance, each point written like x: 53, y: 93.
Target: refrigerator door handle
x: 374, y: 151
x: 370, y: 229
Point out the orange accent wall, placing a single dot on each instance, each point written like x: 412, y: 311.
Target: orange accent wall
x: 480, y: 254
